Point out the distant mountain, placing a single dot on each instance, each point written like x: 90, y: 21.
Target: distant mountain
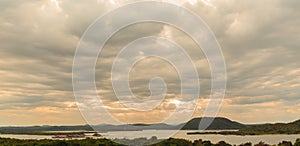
x: 218, y: 123
x: 29, y: 129
x: 135, y: 127
x: 101, y: 127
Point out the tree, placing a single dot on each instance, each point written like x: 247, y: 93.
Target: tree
x: 297, y: 143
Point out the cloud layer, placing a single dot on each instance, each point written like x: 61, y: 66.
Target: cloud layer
x: 260, y: 42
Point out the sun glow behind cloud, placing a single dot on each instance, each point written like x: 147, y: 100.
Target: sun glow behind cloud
x: 36, y: 69
x: 176, y: 102
x: 55, y: 3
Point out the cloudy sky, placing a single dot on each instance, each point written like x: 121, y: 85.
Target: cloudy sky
x: 38, y: 39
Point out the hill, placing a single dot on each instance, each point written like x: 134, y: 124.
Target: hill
x: 218, y: 123
x: 296, y: 122
x: 277, y: 128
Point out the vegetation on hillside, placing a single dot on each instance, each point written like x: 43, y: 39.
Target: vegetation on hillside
x: 139, y: 142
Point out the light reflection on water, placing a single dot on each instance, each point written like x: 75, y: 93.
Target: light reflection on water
x: 232, y: 139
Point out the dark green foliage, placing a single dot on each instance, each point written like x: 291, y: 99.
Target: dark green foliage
x: 174, y: 142
x: 207, y: 143
x: 106, y: 142
x: 297, y: 143
x: 246, y: 144
x: 285, y: 143
x: 222, y: 143
x: 85, y: 142
x: 261, y: 144
x: 138, y: 141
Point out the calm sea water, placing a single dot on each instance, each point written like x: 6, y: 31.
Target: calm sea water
x: 163, y: 134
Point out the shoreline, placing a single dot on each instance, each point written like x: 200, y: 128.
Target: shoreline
x: 238, y: 134
x: 138, y: 141
x: 192, y: 132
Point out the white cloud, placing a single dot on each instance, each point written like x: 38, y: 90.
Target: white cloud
x: 38, y: 41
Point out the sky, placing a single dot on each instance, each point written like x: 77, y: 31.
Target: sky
x: 38, y: 40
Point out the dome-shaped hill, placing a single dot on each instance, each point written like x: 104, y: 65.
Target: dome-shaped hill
x: 218, y: 123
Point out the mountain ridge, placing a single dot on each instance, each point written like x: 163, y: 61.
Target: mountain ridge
x: 218, y: 123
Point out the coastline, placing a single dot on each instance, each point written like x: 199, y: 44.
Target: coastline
x: 140, y: 141
x: 231, y: 132
x: 237, y: 133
